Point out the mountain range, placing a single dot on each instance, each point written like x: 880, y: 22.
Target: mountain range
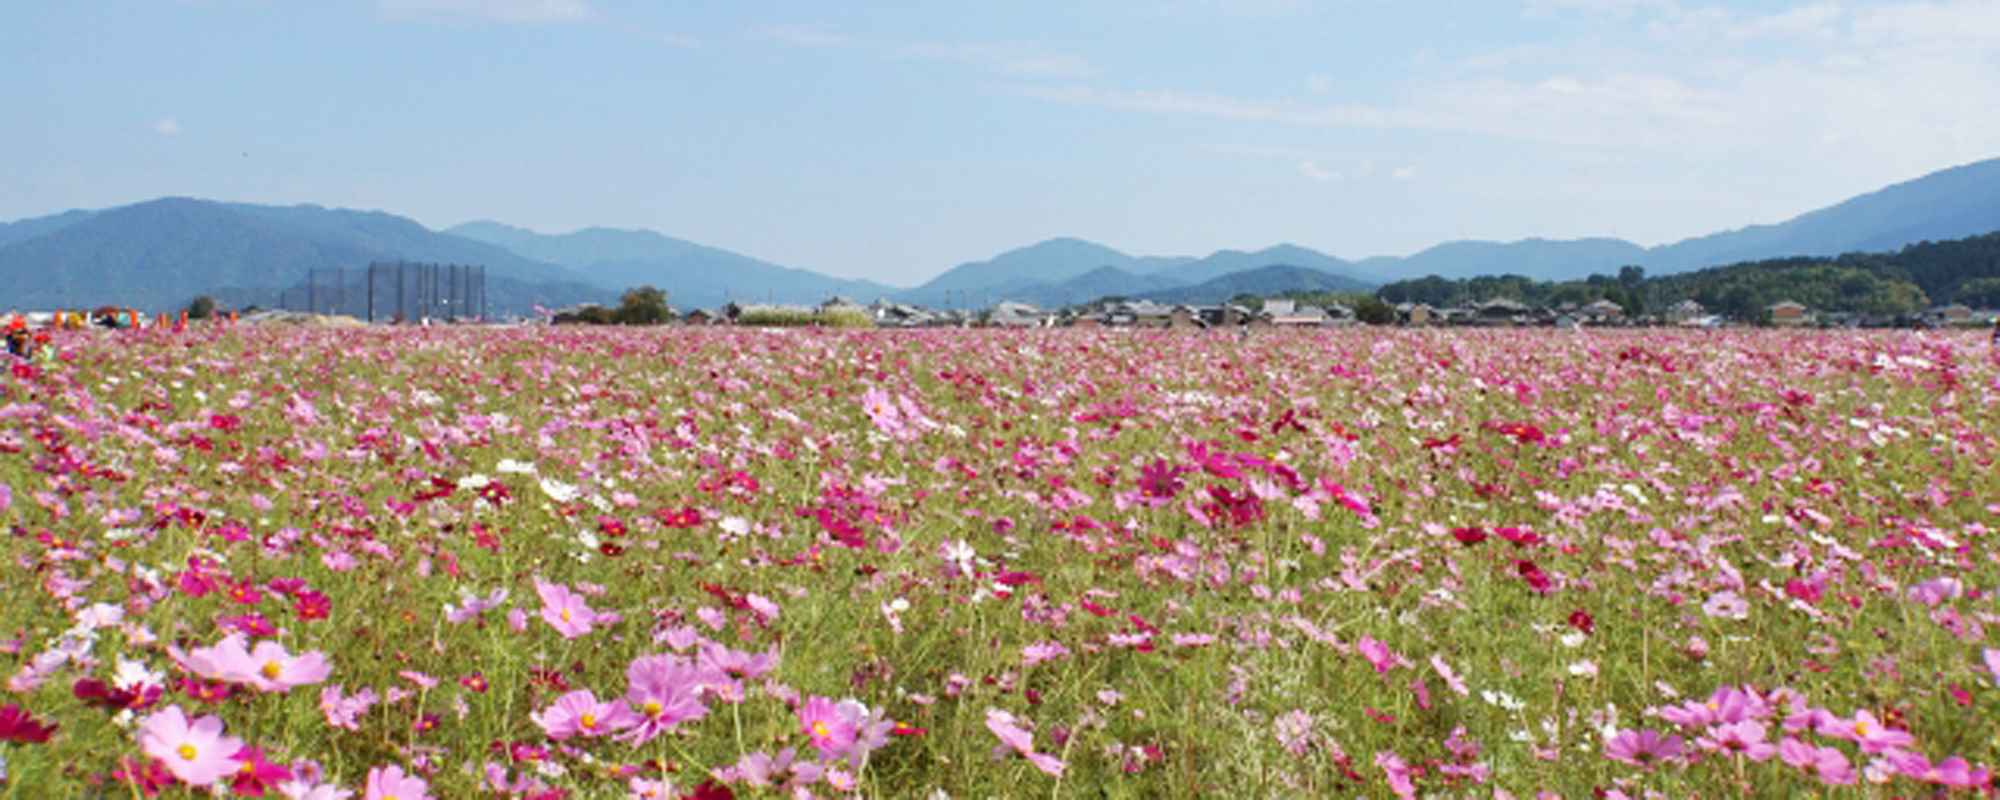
x: 158, y: 254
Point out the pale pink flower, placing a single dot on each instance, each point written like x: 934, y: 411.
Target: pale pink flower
x: 564, y: 610
x: 195, y: 751
x: 580, y: 713
x: 1015, y: 738
x: 390, y: 783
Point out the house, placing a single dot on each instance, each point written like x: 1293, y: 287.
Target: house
x: 1787, y: 313
x: 1185, y: 318
x: 900, y: 315
x: 1682, y: 312
x: 1501, y: 311
x: 1415, y: 313
x: 1292, y: 315
x: 1009, y: 314
x: 701, y: 316
x: 1601, y: 312
x: 1944, y: 316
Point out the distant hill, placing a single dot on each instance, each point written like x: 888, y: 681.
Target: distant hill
x: 1538, y: 258
x: 693, y: 275
x: 159, y: 254
x: 1947, y: 204
x: 1226, y: 262
x: 1065, y: 271
x: 1263, y: 281
x: 1882, y: 285
x: 1100, y: 282
x: 22, y: 230
x: 1012, y: 274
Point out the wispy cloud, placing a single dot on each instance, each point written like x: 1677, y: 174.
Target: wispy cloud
x: 509, y: 11
x: 803, y: 36
x: 1006, y: 58
x: 167, y: 127
x: 1835, y: 84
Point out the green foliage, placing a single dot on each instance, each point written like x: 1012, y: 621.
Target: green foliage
x: 587, y: 315
x: 644, y: 305
x: 1374, y: 312
x: 1979, y: 293
x: 203, y: 307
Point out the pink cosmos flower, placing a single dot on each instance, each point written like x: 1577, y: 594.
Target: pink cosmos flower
x: 564, y: 610
x: 1746, y: 738
x: 1952, y: 772
x: 1379, y: 655
x: 1018, y: 740
x: 663, y: 692
x: 269, y: 668
x: 1726, y: 605
x: 1294, y: 731
x: 223, y: 661
x: 1398, y: 773
x: 344, y: 711
x: 579, y: 713
x: 1992, y: 658
x: 830, y: 731
x: 1827, y: 763
x: 1873, y: 736
x: 390, y: 783
x: 195, y: 751
x: 1643, y: 748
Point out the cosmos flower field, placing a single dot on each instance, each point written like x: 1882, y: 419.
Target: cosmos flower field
x: 543, y: 563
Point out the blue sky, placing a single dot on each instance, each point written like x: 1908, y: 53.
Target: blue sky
x: 892, y: 140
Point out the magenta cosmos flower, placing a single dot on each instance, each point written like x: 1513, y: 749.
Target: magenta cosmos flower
x: 830, y: 731
x: 579, y: 713
x: 1642, y: 748
x: 662, y: 691
x: 564, y: 610
x: 195, y: 751
x: 389, y: 783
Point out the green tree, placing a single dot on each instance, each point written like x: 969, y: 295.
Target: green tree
x: 203, y: 307
x: 1374, y: 312
x: 643, y: 305
x: 1631, y: 275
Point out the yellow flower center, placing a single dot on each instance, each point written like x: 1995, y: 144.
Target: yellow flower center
x: 653, y: 708
x: 248, y: 768
x: 589, y: 722
x: 820, y: 731
x: 187, y: 752
x: 565, y: 615
x: 271, y: 670
x: 1861, y: 728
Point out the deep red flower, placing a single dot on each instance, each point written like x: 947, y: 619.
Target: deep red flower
x: 1580, y: 620
x: 1469, y: 536
x: 16, y: 725
x: 1537, y: 580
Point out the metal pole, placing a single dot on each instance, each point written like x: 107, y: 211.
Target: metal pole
x: 371, y: 292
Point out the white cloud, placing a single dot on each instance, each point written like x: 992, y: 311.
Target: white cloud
x: 511, y: 11
x: 167, y: 127
x: 1403, y: 173
x: 1313, y: 170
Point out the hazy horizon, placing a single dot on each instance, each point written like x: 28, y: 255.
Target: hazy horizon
x: 893, y: 143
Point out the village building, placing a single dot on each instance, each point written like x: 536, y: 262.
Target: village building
x: 1789, y: 314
